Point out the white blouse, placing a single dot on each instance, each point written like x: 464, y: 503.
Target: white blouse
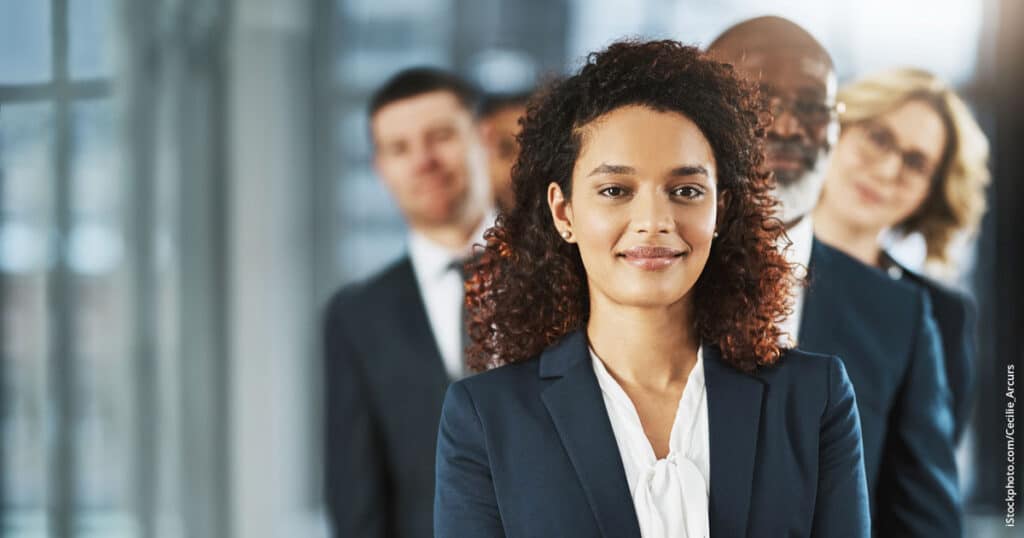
x: 670, y: 495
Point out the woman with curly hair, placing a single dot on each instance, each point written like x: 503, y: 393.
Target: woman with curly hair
x: 911, y: 159
x: 626, y: 310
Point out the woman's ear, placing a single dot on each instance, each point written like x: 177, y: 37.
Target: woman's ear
x: 723, y: 205
x: 561, y: 212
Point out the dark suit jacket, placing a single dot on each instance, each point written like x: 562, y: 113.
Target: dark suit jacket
x: 528, y: 450
x: 956, y: 315
x: 884, y: 332
x: 384, y: 383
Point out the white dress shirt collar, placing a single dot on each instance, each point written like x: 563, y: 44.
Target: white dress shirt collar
x: 799, y: 253
x: 432, y: 259
x: 802, y: 236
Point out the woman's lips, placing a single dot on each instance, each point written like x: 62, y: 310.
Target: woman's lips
x: 651, y: 258
x: 867, y: 194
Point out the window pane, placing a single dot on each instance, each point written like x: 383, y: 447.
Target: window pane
x: 26, y: 189
x: 361, y: 252
x: 103, y: 420
x: 364, y: 70
x: 95, y: 245
x: 89, y: 24
x: 353, y: 136
x: 26, y: 170
x: 25, y: 41
x: 378, y: 9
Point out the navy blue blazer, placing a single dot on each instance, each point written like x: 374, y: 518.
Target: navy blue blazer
x: 884, y: 332
x: 528, y: 450
x: 384, y: 383
x: 956, y: 315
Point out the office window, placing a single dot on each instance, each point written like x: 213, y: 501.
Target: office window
x: 68, y: 444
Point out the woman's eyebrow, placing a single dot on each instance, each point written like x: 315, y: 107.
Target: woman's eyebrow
x: 689, y: 170
x: 618, y: 169
x: 605, y: 168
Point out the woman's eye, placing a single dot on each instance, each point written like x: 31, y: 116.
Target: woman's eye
x: 687, y: 192
x: 612, y: 192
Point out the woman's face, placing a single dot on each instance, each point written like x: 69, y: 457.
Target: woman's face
x: 882, y: 169
x: 643, y: 206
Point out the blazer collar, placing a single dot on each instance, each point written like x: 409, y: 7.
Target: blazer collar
x: 577, y: 409
x: 561, y: 356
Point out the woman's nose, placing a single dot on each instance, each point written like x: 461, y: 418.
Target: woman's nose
x: 651, y: 214
x: 889, y: 167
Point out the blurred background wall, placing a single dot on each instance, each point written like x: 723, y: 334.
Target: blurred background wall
x: 184, y: 182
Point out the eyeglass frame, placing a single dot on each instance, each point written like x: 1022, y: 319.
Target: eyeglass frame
x: 873, y: 147
x: 825, y: 112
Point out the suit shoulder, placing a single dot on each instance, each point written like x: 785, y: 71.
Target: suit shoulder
x: 503, y: 376
x: 503, y: 381
x: 855, y: 272
x: 800, y: 365
x: 356, y: 294
x: 942, y: 296
x: 797, y: 355
x: 396, y: 270
x: 870, y: 287
x: 808, y: 377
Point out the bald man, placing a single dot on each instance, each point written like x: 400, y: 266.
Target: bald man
x: 883, y: 329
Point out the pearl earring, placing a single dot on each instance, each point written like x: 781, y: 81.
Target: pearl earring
x: 566, y: 234
x: 715, y: 236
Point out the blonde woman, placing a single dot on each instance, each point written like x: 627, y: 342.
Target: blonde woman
x: 911, y: 159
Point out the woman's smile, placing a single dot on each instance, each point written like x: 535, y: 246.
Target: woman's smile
x: 651, y: 258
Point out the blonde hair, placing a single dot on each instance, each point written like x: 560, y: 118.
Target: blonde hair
x: 956, y: 200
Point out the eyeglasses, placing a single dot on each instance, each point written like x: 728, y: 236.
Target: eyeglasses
x: 879, y: 141
x: 809, y: 112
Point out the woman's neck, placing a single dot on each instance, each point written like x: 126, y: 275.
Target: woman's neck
x: 858, y: 242
x: 655, y: 348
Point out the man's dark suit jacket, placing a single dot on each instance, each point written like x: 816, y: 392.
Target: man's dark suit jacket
x: 884, y: 332
x: 384, y: 383
x: 528, y: 450
x: 956, y: 315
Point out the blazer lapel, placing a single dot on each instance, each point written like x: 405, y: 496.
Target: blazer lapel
x: 577, y: 409
x: 817, y: 322
x: 411, y: 320
x: 734, y: 417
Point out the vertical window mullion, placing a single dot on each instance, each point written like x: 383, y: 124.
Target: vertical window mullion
x: 138, y: 22
x: 62, y: 300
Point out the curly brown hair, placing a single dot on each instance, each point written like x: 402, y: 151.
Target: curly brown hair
x: 528, y: 288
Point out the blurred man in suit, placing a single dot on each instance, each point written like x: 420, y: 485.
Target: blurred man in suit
x: 498, y: 117
x: 393, y: 343
x: 882, y: 328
